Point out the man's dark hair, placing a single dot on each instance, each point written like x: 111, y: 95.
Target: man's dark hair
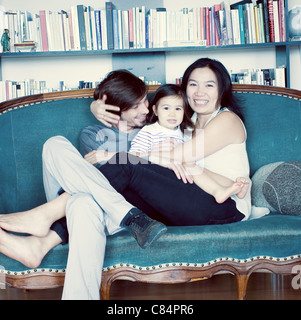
x: 122, y: 88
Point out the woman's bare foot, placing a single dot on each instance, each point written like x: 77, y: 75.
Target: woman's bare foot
x: 225, y: 192
x: 245, y: 183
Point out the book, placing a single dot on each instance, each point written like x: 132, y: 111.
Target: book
x: 115, y: 29
x: 44, y: 36
x: 276, y: 21
x: 75, y: 28
x: 94, y: 33
x: 98, y: 30
x: 109, y: 21
x: 104, y: 33
x: 271, y: 20
x: 81, y: 27
x: 125, y: 30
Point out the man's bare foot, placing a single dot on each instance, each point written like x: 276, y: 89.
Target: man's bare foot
x: 225, y: 192
x: 30, y: 222
x: 36, y: 221
x: 245, y: 183
x: 27, y: 250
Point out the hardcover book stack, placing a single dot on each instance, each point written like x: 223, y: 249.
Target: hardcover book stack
x: 85, y: 28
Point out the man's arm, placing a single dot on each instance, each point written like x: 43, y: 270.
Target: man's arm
x: 92, y: 145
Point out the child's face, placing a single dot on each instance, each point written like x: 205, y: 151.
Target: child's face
x: 170, y: 111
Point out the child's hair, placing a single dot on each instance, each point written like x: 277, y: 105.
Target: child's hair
x: 166, y: 91
x: 122, y: 88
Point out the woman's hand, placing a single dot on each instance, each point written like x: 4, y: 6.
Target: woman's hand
x: 101, y: 112
x: 164, y: 160
x: 167, y: 145
x: 96, y: 156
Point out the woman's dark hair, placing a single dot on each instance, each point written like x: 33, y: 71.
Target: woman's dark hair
x: 122, y: 88
x: 225, y: 93
x: 171, y: 90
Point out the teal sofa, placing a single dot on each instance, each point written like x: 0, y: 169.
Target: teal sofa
x: 183, y: 254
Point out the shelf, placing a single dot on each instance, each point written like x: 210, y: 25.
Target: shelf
x: 147, y: 50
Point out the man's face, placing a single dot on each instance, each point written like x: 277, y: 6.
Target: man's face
x: 134, y: 117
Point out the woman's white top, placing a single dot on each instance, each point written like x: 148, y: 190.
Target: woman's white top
x: 231, y: 162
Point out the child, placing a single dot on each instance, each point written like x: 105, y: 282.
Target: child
x: 168, y: 122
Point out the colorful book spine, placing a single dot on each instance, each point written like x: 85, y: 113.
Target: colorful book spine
x: 271, y: 20
x: 109, y: 28
x: 81, y: 27
x: 43, y: 30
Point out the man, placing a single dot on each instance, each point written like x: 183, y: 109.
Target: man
x: 91, y: 213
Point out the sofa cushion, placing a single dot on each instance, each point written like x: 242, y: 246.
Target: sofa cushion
x: 202, y: 244
x: 282, y: 188
x: 193, y: 245
x: 258, y: 180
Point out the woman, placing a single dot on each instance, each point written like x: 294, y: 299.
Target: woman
x: 220, y: 130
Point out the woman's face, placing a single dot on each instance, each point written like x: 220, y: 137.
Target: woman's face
x: 202, y: 91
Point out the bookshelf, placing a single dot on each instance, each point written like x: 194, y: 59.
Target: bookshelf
x: 151, y: 62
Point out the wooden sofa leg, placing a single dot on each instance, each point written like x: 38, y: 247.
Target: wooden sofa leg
x: 242, y: 282
x: 105, y: 289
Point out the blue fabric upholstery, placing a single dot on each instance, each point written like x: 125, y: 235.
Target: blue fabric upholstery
x: 274, y: 236
x: 201, y: 244
x: 273, y: 124
x: 274, y: 128
x: 23, y: 133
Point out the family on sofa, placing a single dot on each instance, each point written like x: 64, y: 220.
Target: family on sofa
x: 155, y: 190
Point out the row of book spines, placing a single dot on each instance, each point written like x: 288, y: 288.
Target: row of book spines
x: 84, y: 29
x: 270, y: 77
x: 252, y: 23
x: 134, y: 28
x: 17, y: 89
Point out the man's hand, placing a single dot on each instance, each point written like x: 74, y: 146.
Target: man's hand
x: 101, y: 112
x: 96, y: 156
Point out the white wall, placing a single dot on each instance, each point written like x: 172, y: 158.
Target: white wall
x: 92, y: 68
x: 232, y: 60
x: 53, y: 70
